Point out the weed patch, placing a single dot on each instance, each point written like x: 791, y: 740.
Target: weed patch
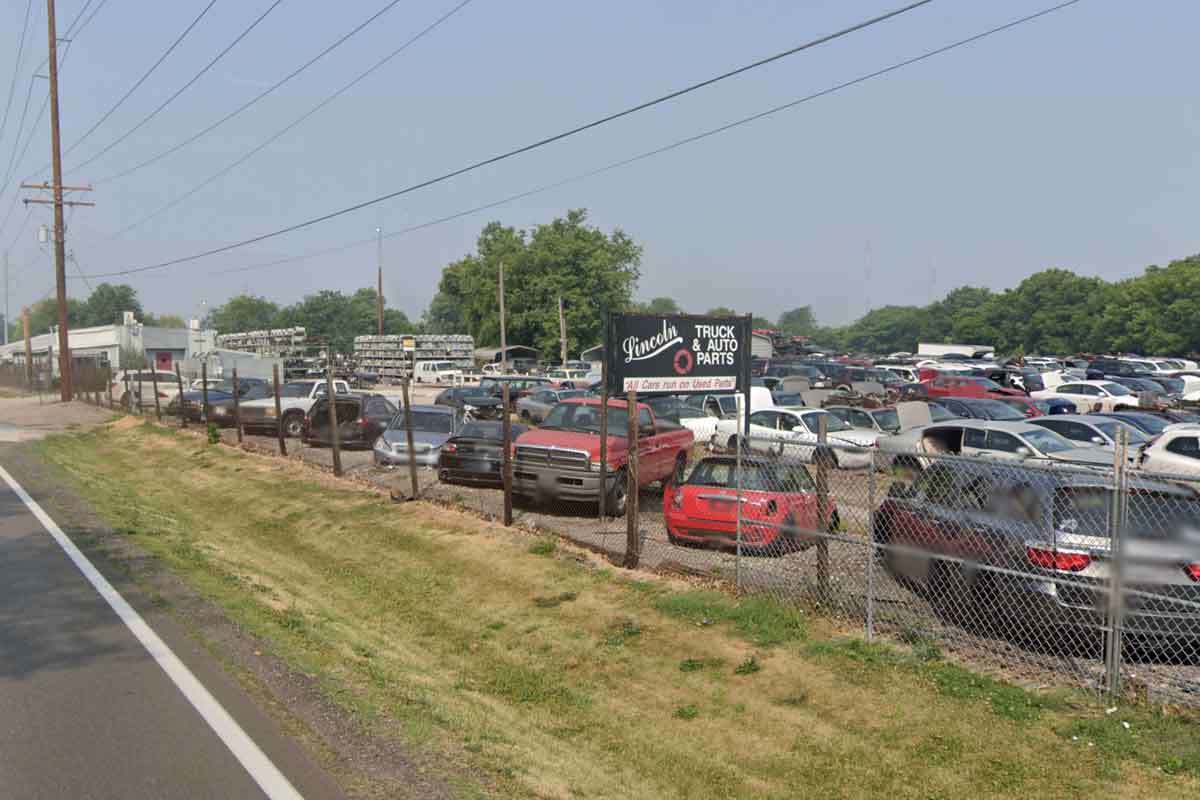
x: 554, y: 601
x: 698, y: 664
x: 545, y: 546
x: 762, y: 622
x: 688, y: 712
x: 748, y: 667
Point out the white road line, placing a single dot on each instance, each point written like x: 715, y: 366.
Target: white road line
x: 264, y: 773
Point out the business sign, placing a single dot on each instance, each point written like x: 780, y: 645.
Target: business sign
x: 408, y: 343
x: 677, y: 353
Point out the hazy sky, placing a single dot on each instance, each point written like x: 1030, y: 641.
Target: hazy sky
x: 1070, y: 141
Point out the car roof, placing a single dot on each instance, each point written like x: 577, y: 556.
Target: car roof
x: 435, y: 409
x: 1088, y: 418
x: 991, y: 424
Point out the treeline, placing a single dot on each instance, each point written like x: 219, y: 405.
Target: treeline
x: 106, y: 305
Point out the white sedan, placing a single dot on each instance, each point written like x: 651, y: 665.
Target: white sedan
x: 1175, y: 451
x: 793, y: 432
x: 1091, y: 396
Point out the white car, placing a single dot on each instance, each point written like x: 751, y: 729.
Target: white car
x: 1175, y: 451
x: 442, y: 372
x: 1091, y: 396
x: 140, y: 384
x: 1003, y: 441
x: 792, y: 431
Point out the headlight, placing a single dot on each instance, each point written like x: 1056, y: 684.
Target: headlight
x: 219, y: 411
x: 268, y: 412
x: 469, y: 407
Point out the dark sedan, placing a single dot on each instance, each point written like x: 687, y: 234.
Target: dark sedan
x: 475, y: 454
x: 476, y: 399
x: 221, y: 412
x: 981, y: 408
x: 1145, y: 421
x: 1023, y: 550
x: 361, y: 419
x: 193, y: 401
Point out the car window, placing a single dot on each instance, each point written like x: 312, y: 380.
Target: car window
x: 426, y: 421
x: 644, y: 418
x: 1071, y: 388
x: 1115, y: 389
x: 1002, y: 442
x: 841, y: 413
x: 975, y: 437
x: 765, y: 419
x: 888, y: 419
x: 380, y: 407
x: 861, y: 419
x: 954, y: 407
x: 1188, y: 446
x: 1112, y: 429
x: 1045, y: 441
x: 832, y: 423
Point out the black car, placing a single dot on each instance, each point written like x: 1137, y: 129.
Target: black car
x: 1145, y: 421
x: 1105, y: 368
x: 193, y: 399
x: 1019, y: 550
x: 981, y: 408
x: 518, y: 386
x: 481, y: 402
x: 475, y: 454
x: 361, y: 418
x: 221, y: 412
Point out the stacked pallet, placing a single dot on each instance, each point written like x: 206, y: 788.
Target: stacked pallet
x: 385, y: 355
x: 273, y: 343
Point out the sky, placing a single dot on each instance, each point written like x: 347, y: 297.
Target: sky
x: 1070, y: 141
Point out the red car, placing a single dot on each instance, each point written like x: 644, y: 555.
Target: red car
x: 1023, y: 404
x: 779, y: 505
x: 968, y: 386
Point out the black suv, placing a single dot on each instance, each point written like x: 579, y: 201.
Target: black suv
x: 1101, y: 368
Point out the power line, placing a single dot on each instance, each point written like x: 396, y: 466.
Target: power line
x: 12, y: 86
x: 112, y: 109
x: 658, y: 150
x: 181, y: 89
x: 533, y: 145
x: 274, y: 137
x: 253, y: 100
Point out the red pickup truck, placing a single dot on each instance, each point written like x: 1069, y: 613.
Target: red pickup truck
x: 560, y: 460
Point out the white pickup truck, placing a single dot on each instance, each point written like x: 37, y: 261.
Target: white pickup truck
x: 296, y: 398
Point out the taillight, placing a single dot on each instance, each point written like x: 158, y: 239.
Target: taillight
x: 1193, y: 571
x: 1061, y: 560
x: 162, y: 395
x: 449, y: 447
x: 363, y: 423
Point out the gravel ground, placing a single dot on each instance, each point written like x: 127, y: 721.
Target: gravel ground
x: 793, y: 576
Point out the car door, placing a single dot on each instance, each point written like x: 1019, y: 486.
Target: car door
x: 379, y: 413
x: 1004, y: 446
x: 764, y: 430
x: 919, y: 519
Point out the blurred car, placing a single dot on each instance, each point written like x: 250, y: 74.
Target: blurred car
x: 670, y: 407
x: 1175, y: 451
x: 916, y: 449
x: 475, y: 400
x: 221, y: 412
x: 1028, y: 407
x: 218, y: 392
x: 534, y: 407
x: 475, y: 453
x: 865, y: 419
x: 432, y: 427
x: 1003, y: 548
x: 794, y: 432
x: 1087, y: 429
x: 779, y: 505
x: 1054, y: 405
x: 979, y: 408
x: 1144, y: 421
x: 1089, y: 396
x: 518, y: 386
x: 361, y: 418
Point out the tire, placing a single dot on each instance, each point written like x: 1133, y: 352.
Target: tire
x: 293, y: 425
x: 618, y: 495
x: 524, y: 416
x: 788, y: 540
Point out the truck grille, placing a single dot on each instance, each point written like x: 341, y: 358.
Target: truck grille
x: 531, y: 456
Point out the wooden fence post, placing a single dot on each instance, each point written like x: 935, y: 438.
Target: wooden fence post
x: 506, y: 454
x: 182, y: 401
x: 333, y: 431
x: 237, y: 405
x: 279, y: 413
x: 157, y: 405
x: 408, y: 434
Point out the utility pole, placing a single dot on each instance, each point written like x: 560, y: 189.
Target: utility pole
x: 60, y: 238
x: 6, y: 320
x: 379, y: 289
x: 503, y: 332
x: 28, y: 349
x: 562, y: 332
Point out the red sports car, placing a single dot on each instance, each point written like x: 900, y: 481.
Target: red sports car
x: 779, y: 505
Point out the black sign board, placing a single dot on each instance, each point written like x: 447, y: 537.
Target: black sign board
x: 677, y: 353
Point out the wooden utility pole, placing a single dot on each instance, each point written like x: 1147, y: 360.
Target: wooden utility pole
x: 379, y: 288
x: 506, y: 427
x: 562, y: 332
x: 28, y: 348
x: 503, y: 332
x: 334, y: 444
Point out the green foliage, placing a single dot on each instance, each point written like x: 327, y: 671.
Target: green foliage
x: 591, y: 271
x: 721, y: 311
x: 748, y: 667
x: 164, y: 321
x: 245, y: 312
x: 688, y: 712
x: 327, y: 315
x: 698, y: 664
x: 214, y: 433
x: 762, y: 622
x: 799, y: 321
x: 544, y: 546
x: 107, y: 305
x: 658, y: 305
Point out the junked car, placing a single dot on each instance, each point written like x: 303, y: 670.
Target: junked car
x: 794, y: 432
x: 296, y: 398
x: 534, y: 407
x: 432, y: 427
x: 361, y: 418
x: 1175, y: 451
x: 1086, y: 429
x: 1090, y: 396
x: 475, y: 454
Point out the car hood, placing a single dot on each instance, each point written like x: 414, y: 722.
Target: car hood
x: 859, y: 438
x: 482, y: 401
x: 398, y: 436
x: 1096, y: 456
x: 571, y: 440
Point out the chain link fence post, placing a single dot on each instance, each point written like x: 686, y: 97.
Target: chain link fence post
x: 822, y: 457
x: 872, y: 555
x: 1112, y: 639
x: 632, y: 482
x: 737, y: 469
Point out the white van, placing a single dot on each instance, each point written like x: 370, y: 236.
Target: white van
x: 437, y: 372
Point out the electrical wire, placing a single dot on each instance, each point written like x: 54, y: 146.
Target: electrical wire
x: 137, y: 84
x: 162, y: 106
x: 252, y: 101
x: 290, y: 126
x: 531, y: 146
x: 12, y: 86
x: 655, y: 152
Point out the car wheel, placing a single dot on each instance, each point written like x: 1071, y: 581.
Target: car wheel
x: 524, y: 416
x: 789, y: 538
x: 293, y: 425
x: 618, y: 495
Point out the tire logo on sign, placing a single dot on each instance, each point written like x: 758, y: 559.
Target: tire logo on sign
x: 684, y: 362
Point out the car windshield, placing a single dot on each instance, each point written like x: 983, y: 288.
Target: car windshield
x: 788, y: 399
x: 586, y: 419
x: 1150, y: 423
x: 939, y: 413
x: 223, y: 386
x: 567, y: 395
x: 1084, y: 510
x: 986, y: 383
x: 1110, y: 428
x: 886, y: 377
x: 756, y: 476
x: 888, y: 419
x: 1170, y: 384
x: 258, y: 391
x: 424, y: 421
x: 295, y: 390
x: 832, y: 423
x: 474, y: 391
x: 476, y: 430
x: 687, y: 412
x: 1045, y: 441
x: 442, y: 365
x: 994, y: 409
x: 1115, y: 389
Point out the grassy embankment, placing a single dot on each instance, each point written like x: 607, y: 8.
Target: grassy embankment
x: 560, y: 678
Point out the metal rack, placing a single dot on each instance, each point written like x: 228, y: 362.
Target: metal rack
x: 273, y: 343
x: 386, y: 357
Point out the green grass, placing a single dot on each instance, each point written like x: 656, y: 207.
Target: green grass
x: 550, y: 678
x: 544, y: 546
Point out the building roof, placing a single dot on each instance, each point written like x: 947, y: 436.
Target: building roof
x: 493, y: 353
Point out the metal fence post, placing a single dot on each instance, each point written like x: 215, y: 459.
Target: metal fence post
x: 333, y: 429
x: 871, y: 554
x: 632, y: 545
x: 1112, y: 638
x: 157, y: 405
x: 279, y: 413
x: 821, y: 457
x: 737, y: 468
x: 237, y: 406
x: 506, y: 454
x: 182, y: 399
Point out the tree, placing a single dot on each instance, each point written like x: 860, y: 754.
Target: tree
x: 591, y: 271
x: 336, y: 318
x: 762, y: 323
x: 721, y: 311
x: 164, y: 321
x: 107, y: 305
x: 799, y: 321
x: 245, y: 312
x: 43, y: 315
x: 659, y: 305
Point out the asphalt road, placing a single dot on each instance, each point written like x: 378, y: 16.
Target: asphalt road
x: 87, y: 712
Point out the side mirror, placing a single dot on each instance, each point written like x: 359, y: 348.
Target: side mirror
x: 1097, y: 440
x: 1024, y: 452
